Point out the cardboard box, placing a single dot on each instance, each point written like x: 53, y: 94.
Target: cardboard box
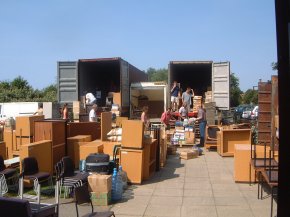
x: 188, y: 154
x: 100, y: 183
x: 101, y: 198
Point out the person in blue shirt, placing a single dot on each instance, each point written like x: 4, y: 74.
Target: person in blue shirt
x: 174, y: 96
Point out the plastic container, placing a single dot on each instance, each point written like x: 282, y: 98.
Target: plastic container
x: 117, y: 186
x: 82, y: 165
x: 124, y: 178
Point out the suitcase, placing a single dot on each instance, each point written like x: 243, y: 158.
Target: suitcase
x: 98, y: 163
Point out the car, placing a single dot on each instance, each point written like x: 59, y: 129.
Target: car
x: 238, y: 113
x: 254, y: 113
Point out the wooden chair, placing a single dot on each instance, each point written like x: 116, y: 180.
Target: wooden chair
x: 82, y: 195
x: 211, y: 136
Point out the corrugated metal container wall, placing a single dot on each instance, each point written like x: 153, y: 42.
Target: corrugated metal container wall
x: 136, y: 75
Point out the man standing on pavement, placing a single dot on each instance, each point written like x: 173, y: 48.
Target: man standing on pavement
x: 201, y: 119
x: 186, y: 97
x: 174, y: 96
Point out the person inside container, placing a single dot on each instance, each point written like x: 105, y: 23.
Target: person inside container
x: 90, y: 99
x: 93, y: 113
x: 186, y: 97
x: 183, y: 112
x: 166, y: 117
x: 174, y: 96
x: 144, y: 116
x: 201, y: 119
x: 39, y: 110
x: 64, y: 111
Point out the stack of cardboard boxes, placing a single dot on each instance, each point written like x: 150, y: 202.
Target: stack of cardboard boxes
x: 100, y: 187
x: 197, y: 101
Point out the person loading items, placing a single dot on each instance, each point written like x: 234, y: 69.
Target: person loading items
x: 174, y: 96
x: 93, y: 113
x: 201, y: 119
x: 183, y: 112
x: 39, y: 110
x: 90, y: 99
x: 144, y: 116
x: 166, y: 117
x: 186, y: 97
x: 64, y: 111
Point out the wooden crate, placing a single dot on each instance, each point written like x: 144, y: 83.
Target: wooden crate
x: 229, y: 137
x: 72, y: 144
x: 42, y: 151
x: 25, y: 124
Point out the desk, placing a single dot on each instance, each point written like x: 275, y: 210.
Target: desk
x: 12, y: 162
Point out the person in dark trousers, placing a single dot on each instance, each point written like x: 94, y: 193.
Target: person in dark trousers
x: 201, y: 119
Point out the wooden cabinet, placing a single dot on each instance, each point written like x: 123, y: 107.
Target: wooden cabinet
x: 227, y: 138
x: 106, y: 124
x: 84, y: 128
x: 242, y: 157
x: 54, y: 130
x: 73, y: 147
x: 140, y: 164
x: 42, y: 151
x: 25, y: 124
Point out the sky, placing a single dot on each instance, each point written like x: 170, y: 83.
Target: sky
x: 35, y: 34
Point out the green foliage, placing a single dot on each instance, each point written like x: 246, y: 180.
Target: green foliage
x: 250, y: 97
x: 19, y: 90
x: 235, y: 91
x: 274, y: 66
x: 157, y: 74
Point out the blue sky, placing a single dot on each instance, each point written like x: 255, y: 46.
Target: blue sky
x: 35, y: 34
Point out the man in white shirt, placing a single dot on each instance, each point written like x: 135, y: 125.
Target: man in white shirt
x: 186, y: 97
x: 93, y: 113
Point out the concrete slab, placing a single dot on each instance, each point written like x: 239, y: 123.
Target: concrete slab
x: 166, y: 211
x: 198, y: 211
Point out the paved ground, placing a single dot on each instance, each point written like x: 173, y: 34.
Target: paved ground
x: 201, y: 187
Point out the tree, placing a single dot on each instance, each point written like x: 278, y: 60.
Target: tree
x: 235, y: 91
x: 274, y: 66
x: 157, y: 74
x: 250, y: 97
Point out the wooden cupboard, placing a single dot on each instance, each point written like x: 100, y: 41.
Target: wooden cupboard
x: 132, y: 134
x: 25, y: 124
x: 87, y: 148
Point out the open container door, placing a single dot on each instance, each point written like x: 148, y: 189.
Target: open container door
x: 67, y: 81
x: 221, y: 85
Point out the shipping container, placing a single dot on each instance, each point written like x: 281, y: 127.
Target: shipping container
x: 203, y: 76
x: 151, y: 94
x: 97, y: 76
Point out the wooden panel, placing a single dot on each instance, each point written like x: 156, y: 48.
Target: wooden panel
x: 274, y: 109
x: 109, y: 147
x: 87, y: 148
x: 73, y: 147
x: 119, y: 121
x: 10, y: 140
x: 37, y: 150
x: 23, y: 141
x: 117, y: 98
x: 84, y: 128
x: 132, y: 162
x: 25, y: 124
x: 132, y: 134
x: 3, y: 151
x: 58, y: 152
x: 106, y: 124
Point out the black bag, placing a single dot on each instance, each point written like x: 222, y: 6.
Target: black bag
x: 98, y: 163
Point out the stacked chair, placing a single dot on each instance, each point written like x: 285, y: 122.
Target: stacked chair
x: 67, y: 177
x: 7, y: 176
x: 30, y: 172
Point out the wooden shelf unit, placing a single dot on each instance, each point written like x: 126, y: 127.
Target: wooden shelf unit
x: 227, y: 138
